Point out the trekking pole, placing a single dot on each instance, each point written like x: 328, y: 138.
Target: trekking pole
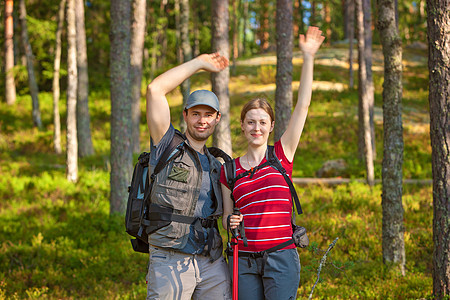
x: 234, y: 242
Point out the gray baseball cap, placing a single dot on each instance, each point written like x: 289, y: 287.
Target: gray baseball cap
x: 202, y: 97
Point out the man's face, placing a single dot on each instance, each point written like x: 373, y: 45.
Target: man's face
x: 201, y: 120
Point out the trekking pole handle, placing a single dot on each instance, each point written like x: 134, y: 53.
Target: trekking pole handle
x: 236, y: 212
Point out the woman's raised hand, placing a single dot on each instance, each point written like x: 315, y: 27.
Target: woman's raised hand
x: 311, y: 43
x: 214, y: 62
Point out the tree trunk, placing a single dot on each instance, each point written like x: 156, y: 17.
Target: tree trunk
x: 326, y: 8
x: 351, y: 36
x: 393, y: 229
x: 196, y: 21
x: 178, y: 32
x: 10, y: 86
x: 313, y: 13
x: 439, y: 95
x: 185, y: 86
x: 244, y: 30
x: 85, y: 147
x: 72, y: 82
x: 283, y: 92
x: 219, y: 39
x: 34, y: 91
x: 365, y: 137
x: 56, y: 89
x: 137, y: 51
x: 264, y: 26
x: 345, y: 11
x: 296, y: 18
x: 368, y: 57
x: 153, y: 24
x: 162, y: 33
x: 235, y: 38
x: 121, y: 149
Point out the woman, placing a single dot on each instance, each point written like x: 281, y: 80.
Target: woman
x: 263, y: 196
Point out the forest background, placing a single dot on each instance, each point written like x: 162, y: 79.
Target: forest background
x: 60, y: 238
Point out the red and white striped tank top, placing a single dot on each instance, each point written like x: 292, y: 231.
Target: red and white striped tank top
x: 266, y: 204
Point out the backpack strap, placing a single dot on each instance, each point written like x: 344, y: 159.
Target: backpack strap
x: 175, y: 144
x: 230, y: 175
x: 216, y: 152
x: 276, y: 164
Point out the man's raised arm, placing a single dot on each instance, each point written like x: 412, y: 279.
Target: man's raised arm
x: 158, y: 111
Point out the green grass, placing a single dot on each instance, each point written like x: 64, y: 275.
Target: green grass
x: 59, y: 241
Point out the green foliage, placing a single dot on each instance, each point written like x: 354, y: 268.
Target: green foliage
x: 266, y: 74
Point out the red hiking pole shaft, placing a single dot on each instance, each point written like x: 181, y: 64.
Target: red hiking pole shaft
x: 234, y: 241
x: 235, y: 269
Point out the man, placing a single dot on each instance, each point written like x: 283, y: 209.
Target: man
x: 186, y: 257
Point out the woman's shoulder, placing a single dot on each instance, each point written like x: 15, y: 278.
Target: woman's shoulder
x: 279, y: 152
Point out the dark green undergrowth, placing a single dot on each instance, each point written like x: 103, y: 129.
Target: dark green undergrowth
x: 58, y: 240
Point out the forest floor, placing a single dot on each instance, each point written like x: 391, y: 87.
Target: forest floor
x: 59, y: 241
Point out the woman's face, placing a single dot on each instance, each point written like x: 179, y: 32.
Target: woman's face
x: 257, y: 126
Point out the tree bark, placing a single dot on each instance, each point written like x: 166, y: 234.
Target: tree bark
x: 162, y: 25
x: 264, y: 26
x: 196, y: 9
x: 439, y: 95
x: 351, y: 36
x: 393, y: 228
x: 56, y: 88
x: 34, y: 90
x: 178, y: 32
x: 137, y: 51
x: 155, y: 34
x: 345, y: 4
x: 121, y: 150
x: 219, y: 40
x: 368, y: 57
x: 72, y: 82
x: 283, y: 92
x: 10, y: 85
x: 313, y: 13
x: 365, y: 137
x: 326, y: 8
x: 186, y: 49
x: 244, y: 30
x: 85, y: 147
x: 235, y: 38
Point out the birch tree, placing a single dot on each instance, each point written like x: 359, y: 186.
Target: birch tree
x: 72, y: 83
x: 10, y: 86
x: 55, y: 86
x: 367, y: 9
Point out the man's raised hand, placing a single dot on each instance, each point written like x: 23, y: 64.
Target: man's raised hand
x: 213, y: 62
x: 311, y: 43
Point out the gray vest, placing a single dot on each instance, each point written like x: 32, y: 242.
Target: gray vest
x: 177, y: 186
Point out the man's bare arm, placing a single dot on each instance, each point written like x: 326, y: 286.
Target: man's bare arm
x: 158, y: 111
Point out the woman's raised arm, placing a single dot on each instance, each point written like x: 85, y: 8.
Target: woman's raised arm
x: 309, y: 44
